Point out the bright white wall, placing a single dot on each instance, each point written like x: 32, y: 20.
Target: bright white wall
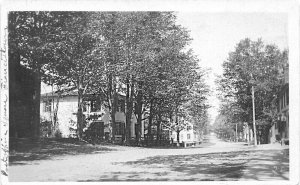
x: 67, y: 113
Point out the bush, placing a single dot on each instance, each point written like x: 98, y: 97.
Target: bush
x: 45, y: 128
x: 58, y: 134
x: 72, y: 128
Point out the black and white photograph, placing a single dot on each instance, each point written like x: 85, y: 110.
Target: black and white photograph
x: 192, y: 91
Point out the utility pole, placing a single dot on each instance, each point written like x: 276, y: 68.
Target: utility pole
x: 253, y: 107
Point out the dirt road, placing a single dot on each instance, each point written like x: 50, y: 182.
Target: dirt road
x: 213, y: 160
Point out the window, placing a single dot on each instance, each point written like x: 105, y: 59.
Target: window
x: 154, y: 129
x: 119, y: 128
x: 189, y: 127
x: 135, y: 108
x: 284, y: 98
x: 287, y: 97
x: 95, y: 105
x: 188, y: 136
x: 86, y: 105
x: 47, y: 105
x: 121, y: 105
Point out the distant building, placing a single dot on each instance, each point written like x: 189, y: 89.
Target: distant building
x: 186, y: 135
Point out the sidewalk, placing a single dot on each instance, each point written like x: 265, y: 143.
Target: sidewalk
x: 269, y: 162
x: 275, y: 146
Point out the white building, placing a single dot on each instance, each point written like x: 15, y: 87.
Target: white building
x: 93, y: 108
x: 187, y: 135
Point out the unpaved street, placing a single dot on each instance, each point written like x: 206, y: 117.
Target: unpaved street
x: 213, y: 160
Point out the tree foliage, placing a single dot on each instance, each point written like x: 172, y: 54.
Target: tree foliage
x: 251, y: 64
x: 142, y: 55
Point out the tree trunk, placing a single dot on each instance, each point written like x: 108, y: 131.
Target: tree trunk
x: 36, y: 103
x: 171, y: 116
x: 113, y: 113
x: 79, y: 111
x: 176, y: 121
x: 178, y: 131
x: 14, y: 64
x: 158, y: 129
x: 127, y: 126
x: 150, y: 121
x: 129, y: 107
x: 115, y: 100
x: 112, y: 99
x: 55, y: 118
x: 139, y: 112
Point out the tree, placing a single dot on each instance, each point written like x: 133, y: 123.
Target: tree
x: 76, y: 61
x: 140, y: 54
x: 252, y: 64
x: 109, y: 29
x: 29, y: 34
x: 152, y: 65
x: 198, y: 105
x: 145, y: 52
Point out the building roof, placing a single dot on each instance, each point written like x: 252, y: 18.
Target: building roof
x: 68, y: 92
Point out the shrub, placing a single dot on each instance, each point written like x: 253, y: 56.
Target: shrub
x: 57, y: 134
x: 45, y: 128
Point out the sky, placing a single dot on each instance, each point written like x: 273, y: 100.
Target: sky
x: 216, y: 34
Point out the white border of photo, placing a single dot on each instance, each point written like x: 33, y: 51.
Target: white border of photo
x: 291, y: 7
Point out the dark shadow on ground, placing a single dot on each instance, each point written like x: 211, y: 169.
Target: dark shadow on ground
x: 196, y: 167
x: 226, y: 166
x: 25, y: 150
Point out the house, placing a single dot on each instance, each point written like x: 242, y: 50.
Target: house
x: 279, y: 132
x: 96, y: 114
x: 280, y: 129
x: 187, y: 136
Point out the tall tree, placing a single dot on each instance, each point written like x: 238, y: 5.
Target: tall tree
x: 76, y: 61
x: 253, y: 64
x: 29, y: 34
